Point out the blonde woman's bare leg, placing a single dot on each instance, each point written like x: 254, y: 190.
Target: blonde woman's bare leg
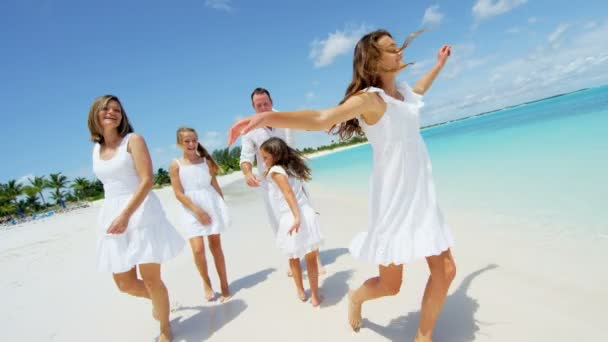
x: 150, y: 274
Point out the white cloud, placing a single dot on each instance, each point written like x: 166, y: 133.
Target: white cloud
x: 532, y: 20
x: 590, y: 25
x: 222, y: 5
x: 432, y: 15
x: 212, y: 140
x: 541, y: 72
x: 23, y: 180
x: 310, y: 95
x: 484, y: 9
x: 556, y: 34
x: 419, y: 67
x: 323, y: 52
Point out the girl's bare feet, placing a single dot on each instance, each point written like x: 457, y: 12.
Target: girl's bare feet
x: 354, y: 313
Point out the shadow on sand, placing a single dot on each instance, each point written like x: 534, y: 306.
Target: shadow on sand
x: 456, y: 323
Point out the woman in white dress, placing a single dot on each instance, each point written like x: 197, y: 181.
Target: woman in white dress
x: 204, y: 211
x: 405, y: 221
x: 133, y: 231
x: 299, y: 233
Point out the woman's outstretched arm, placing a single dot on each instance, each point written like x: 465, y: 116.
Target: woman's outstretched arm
x: 424, y: 83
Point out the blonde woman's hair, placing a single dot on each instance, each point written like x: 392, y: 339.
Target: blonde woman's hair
x: 95, y: 129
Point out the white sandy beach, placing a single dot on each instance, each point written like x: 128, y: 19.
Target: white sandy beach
x: 509, y: 287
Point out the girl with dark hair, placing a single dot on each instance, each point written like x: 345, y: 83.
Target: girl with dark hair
x: 299, y: 234
x: 405, y: 220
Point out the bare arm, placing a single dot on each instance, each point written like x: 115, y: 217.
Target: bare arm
x: 283, y: 184
x: 214, y: 183
x: 366, y: 104
x: 247, y: 157
x: 425, y: 82
x: 178, y: 189
x: 143, y: 166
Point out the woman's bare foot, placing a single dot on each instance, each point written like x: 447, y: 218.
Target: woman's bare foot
x: 165, y: 334
x: 225, y: 295
x: 422, y: 338
x: 302, y: 295
x: 316, y: 301
x: 209, y: 293
x: 354, y: 313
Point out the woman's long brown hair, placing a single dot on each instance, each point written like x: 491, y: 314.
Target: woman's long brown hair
x: 365, y: 74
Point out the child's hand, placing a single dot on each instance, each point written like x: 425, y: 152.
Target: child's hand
x: 294, y: 227
x: 202, y: 217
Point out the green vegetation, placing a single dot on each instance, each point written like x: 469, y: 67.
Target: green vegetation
x: 17, y: 199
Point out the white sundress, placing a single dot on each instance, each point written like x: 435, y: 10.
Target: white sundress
x: 149, y: 237
x: 309, y: 237
x: 405, y: 221
x: 196, y: 181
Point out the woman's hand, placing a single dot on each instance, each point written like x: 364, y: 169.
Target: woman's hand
x: 119, y: 225
x: 202, y: 217
x: 243, y: 127
x: 443, y: 54
x: 295, y: 227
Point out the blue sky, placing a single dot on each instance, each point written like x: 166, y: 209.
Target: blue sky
x: 195, y: 62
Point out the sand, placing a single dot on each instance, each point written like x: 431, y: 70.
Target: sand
x: 509, y: 286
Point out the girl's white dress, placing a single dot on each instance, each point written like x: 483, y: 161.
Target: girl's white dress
x: 149, y: 237
x: 405, y: 221
x: 309, y: 237
x: 196, y: 181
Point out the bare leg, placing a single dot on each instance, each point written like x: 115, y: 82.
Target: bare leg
x: 320, y: 264
x: 296, y: 271
x: 215, y: 245
x: 387, y: 283
x: 160, y: 297
x: 128, y: 282
x: 198, y: 252
x: 313, y: 277
x: 443, y: 271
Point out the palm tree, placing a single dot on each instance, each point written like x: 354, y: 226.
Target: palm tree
x: 32, y: 198
x: 57, y: 181
x: 81, y: 186
x: 12, y: 190
x: 39, y: 183
x: 162, y: 177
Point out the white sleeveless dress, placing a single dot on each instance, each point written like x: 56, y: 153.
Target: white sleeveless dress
x: 196, y: 181
x: 405, y: 221
x: 149, y: 237
x: 309, y: 237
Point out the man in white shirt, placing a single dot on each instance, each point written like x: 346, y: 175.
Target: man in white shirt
x: 250, y: 151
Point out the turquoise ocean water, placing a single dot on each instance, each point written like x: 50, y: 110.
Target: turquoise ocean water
x: 544, y: 163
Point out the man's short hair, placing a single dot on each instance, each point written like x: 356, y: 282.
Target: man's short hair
x: 260, y: 91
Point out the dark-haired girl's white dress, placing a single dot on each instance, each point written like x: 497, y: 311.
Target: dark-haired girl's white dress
x: 405, y: 221
x: 149, y: 237
x: 309, y: 237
